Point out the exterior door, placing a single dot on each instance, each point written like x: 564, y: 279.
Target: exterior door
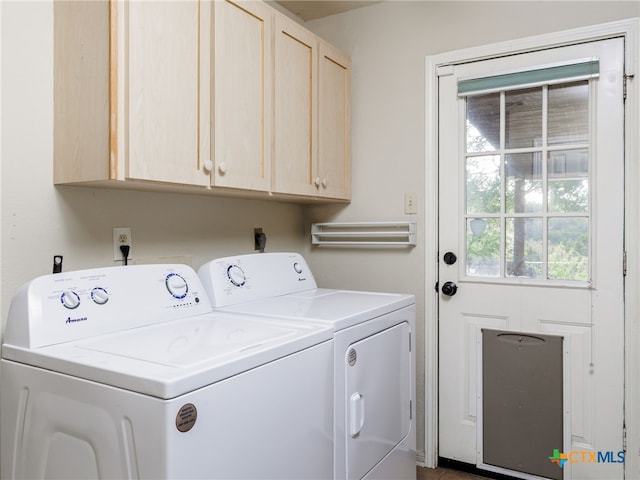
x: 531, y: 179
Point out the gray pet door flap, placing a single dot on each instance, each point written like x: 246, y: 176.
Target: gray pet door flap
x: 522, y: 401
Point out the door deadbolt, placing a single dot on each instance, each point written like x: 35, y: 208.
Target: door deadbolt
x: 450, y: 258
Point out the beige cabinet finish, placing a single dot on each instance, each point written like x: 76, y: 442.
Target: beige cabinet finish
x: 312, y: 117
x: 162, y: 92
x: 242, y: 99
x: 127, y: 92
x: 81, y: 113
x: 224, y: 97
x: 334, y: 124
x: 296, y: 109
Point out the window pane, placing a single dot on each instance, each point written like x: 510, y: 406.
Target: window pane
x: 483, y: 184
x: 568, y: 113
x: 483, y: 123
x: 568, y: 240
x: 523, y: 192
x: 568, y: 172
x: 523, y: 118
x: 483, y: 247
x: 523, y: 242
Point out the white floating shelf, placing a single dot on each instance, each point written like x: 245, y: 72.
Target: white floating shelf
x: 364, y: 233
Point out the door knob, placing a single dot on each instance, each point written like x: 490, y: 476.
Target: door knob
x: 449, y: 289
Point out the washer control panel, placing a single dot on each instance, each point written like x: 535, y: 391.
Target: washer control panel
x: 73, y: 305
x: 245, y: 278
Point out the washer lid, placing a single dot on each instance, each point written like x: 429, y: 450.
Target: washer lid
x: 173, y: 358
x: 338, y: 308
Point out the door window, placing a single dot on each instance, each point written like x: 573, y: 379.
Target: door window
x: 527, y: 192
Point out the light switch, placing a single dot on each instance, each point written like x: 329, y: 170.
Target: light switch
x: 410, y: 205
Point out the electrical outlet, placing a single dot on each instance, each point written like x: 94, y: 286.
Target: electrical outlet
x: 121, y: 236
x: 256, y: 232
x: 410, y: 206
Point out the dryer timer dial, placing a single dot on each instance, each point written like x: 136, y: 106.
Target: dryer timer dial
x: 236, y: 275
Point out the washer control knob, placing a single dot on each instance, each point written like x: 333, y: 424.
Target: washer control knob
x: 70, y: 299
x: 176, y: 285
x: 99, y: 295
x: 297, y: 268
x: 236, y: 275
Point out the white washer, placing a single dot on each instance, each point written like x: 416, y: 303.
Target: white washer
x: 374, y: 354
x: 126, y: 372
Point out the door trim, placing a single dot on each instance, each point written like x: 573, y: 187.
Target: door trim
x: 442, y: 63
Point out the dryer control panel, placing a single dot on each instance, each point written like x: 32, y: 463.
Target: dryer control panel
x: 246, y: 278
x: 85, y: 303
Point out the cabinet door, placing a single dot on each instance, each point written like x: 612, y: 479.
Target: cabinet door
x: 242, y: 95
x: 162, y: 111
x: 81, y: 91
x: 295, y: 104
x: 334, y: 129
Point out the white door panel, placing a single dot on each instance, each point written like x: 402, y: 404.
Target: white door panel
x: 378, y: 393
x: 524, y: 269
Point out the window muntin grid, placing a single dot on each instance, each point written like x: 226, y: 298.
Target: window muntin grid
x: 527, y: 183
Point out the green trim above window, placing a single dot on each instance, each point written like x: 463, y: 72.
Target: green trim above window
x: 530, y: 78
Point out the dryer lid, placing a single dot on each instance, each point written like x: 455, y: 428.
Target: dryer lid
x: 338, y: 308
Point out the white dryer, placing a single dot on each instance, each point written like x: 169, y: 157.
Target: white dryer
x: 374, y: 354
x: 126, y: 372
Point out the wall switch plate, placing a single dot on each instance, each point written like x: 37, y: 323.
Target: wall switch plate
x: 121, y: 236
x: 410, y: 205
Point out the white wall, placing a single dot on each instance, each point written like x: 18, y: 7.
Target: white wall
x: 388, y: 43
x: 39, y: 220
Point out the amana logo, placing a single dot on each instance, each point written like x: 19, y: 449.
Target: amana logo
x: 75, y: 320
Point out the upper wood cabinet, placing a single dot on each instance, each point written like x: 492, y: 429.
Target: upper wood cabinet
x: 218, y: 97
x: 296, y: 109
x: 128, y: 91
x: 312, y: 116
x: 242, y: 100
x: 334, y: 124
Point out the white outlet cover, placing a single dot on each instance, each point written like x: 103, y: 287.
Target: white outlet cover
x: 117, y: 232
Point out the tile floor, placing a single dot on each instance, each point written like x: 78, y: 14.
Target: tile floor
x: 444, y: 474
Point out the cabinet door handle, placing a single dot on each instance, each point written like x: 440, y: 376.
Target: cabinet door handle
x: 317, y: 181
x: 208, y: 165
x: 222, y: 168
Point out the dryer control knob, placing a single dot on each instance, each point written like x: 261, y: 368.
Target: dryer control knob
x: 176, y: 285
x: 70, y: 299
x: 297, y: 268
x: 236, y: 275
